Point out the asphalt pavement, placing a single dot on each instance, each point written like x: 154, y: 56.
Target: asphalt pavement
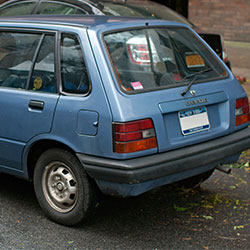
x: 215, y: 216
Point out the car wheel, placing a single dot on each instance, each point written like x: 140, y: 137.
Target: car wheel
x: 63, y: 189
x: 196, y: 180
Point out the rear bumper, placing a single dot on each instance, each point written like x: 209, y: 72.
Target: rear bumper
x: 200, y: 157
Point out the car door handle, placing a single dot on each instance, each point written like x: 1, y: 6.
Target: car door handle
x: 38, y: 105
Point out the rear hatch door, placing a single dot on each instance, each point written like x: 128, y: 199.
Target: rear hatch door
x: 169, y: 74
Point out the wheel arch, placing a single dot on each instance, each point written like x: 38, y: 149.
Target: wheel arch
x: 38, y: 148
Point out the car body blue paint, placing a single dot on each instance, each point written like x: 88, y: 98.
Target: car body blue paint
x: 63, y: 115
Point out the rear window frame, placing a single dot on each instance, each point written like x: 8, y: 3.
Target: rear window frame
x: 146, y: 26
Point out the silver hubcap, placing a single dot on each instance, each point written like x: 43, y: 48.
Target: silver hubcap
x: 60, y: 187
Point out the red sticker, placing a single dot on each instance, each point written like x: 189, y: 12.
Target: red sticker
x: 136, y: 85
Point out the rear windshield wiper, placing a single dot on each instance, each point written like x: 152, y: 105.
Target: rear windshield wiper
x: 195, y: 75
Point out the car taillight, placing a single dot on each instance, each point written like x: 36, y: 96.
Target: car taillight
x: 134, y: 136
x: 241, y: 111
x: 224, y: 54
x: 139, y: 52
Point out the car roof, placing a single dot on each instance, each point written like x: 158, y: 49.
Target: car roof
x: 84, y: 20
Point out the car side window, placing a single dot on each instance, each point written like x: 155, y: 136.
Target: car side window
x: 18, y: 9
x: 43, y: 75
x: 27, y: 61
x: 16, y: 54
x: 58, y: 8
x: 73, y: 68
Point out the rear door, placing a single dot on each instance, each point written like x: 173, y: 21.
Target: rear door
x: 27, y: 90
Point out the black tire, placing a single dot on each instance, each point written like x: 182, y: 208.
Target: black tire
x: 63, y: 190
x: 195, y: 181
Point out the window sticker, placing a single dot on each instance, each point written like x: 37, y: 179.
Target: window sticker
x: 136, y: 85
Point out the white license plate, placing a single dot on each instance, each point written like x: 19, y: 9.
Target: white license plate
x: 194, y: 120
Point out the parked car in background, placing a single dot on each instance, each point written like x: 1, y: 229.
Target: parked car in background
x: 111, y: 7
x: 112, y: 104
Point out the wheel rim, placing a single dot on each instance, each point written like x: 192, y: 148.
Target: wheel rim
x: 60, y: 187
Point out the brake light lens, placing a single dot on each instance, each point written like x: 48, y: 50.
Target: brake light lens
x: 224, y: 54
x: 134, y: 136
x: 241, y: 111
x: 138, y: 51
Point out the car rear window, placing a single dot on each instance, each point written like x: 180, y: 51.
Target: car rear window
x: 143, y: 9
x: 151, y: 58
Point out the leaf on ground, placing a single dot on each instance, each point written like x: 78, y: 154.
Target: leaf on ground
x: 208, y: 206
x: 246, y: 164
x: 180, y: 209
x: 208, y: 217
x: 238, y: 227
x: 194, y: 215
x: 186, y: 238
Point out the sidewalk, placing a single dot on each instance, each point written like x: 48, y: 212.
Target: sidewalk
x: 239, y: 56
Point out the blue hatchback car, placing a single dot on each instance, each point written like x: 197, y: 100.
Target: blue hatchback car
x: 111, y: 104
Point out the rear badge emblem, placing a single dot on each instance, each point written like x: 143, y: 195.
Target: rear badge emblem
x: 194, y: 102
x: 192, y: 92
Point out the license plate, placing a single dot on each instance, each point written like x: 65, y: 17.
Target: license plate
x: 194, y: 120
